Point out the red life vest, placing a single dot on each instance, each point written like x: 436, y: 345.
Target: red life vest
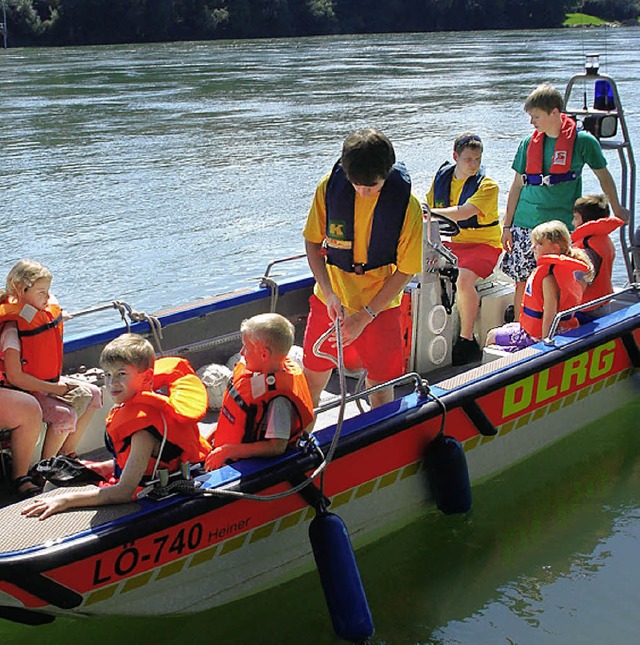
x: 40, y: 332
x: 560, y: 169
x: 246, y: 399
x: 593, y: 237
x: 567, y: 271
x: 175, y: 413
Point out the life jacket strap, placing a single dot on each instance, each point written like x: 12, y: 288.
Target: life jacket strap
x: 532, y: 179
x: 39, y: 330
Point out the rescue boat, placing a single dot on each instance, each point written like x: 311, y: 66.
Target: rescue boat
x: 196, y: 540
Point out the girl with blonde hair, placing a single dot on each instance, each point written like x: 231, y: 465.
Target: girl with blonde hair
x: 31, y: 353
x: 557, y: 283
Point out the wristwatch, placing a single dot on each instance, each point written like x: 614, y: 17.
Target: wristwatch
x: 370, y: 311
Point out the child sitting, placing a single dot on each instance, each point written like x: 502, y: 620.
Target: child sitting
x: 145, y: 430
x: 556, y: 284
x: 267, y: 404
x: 32, y: 322
x: 593, y: 223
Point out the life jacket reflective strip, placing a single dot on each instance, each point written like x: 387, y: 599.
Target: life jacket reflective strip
x: 593, y: 237
x: 567, y: 272
x: 442, y: 193
x: 560, y: 169
x: 248, y: 394
x: 178, y: 412
x: 388, y: 219
x: 40, y: 332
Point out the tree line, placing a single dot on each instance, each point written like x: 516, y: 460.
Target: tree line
x: 88, y: 22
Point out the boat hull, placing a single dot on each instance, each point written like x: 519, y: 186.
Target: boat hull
x: 188, y: 554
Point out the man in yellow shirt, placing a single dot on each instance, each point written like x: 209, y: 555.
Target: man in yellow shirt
x: 462, y: 192
x: 363, y: 240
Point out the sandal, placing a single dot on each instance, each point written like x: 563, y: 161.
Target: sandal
x: 18, y: 483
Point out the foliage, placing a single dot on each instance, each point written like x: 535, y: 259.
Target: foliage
x: 611, y: 10
x: 78, y: 22
x: 579, y: 19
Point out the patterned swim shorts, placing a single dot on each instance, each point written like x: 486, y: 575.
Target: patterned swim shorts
x: 520, y: 262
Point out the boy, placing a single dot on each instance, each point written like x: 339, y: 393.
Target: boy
x: 267, y: 403
x: 462, y: 192
x: 593, y: 223
x: 548, y: 180
x: 144, y: 429
x: 363, y: 240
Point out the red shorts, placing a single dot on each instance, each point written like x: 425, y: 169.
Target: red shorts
x: 479, y: 258
x: 378, y: 349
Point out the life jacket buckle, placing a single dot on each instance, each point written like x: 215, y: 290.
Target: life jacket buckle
x: 358, y: 268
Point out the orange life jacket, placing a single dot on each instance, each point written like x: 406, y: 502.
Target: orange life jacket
x: 567, y: 271
x: 560, y: 169
x: 593, y: 237
x: 246, y: 399
x: 175, y: 413
x: 40, y: 332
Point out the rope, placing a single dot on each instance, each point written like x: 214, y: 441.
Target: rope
x: 154, y: 324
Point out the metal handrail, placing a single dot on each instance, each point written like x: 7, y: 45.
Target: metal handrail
x: 269, y: 283
x: 274, y: 262
x: 586, y: 305
x: 422, y: 387
x: 125, y: 309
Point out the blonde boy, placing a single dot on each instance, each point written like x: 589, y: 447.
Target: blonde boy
x: 268, y: 403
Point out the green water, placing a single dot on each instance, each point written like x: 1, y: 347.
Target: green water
x: 548, y: 554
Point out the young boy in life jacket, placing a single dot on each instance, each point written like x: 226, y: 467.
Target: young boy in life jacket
x: 153, y: 424
x: 267, y: 403
x: 593, y: 223
x: 548, y: 179
x: 556, y: 284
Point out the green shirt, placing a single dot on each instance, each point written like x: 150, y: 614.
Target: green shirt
x: 538, y: 204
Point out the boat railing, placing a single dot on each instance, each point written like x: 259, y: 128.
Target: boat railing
x: 421, y: 387
x: 633, y: 288
x: 128, y: 315
x: 268, y: 283
x: 602, y: 119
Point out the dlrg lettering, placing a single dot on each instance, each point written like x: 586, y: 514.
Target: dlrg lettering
x: 550, y: 384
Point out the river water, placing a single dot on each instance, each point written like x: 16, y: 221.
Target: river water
x: 159, y: 174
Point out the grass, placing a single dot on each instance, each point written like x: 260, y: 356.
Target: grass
x: 576, y: 19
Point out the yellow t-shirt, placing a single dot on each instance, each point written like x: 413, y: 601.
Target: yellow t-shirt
x: 485, y: 199
x: 356, y: 291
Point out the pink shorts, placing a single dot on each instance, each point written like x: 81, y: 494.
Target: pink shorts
x: 379, y: 349
x: 479, y: 258
x: 60, y: 417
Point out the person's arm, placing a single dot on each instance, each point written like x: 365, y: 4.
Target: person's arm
x: 142, y: 446
x: 550, y: 300
x: 609, y: 189
x: 24, y: 381
x: 512, y: 202
x: 354, y: 324
x: 458, y: 213
x: 277, y: 425
x: 232, y: 451
x: 318, y: 266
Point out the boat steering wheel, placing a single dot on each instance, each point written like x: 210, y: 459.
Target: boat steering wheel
x: 446, y: 225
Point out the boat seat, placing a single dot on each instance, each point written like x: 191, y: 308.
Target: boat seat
x: 490, y: 354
